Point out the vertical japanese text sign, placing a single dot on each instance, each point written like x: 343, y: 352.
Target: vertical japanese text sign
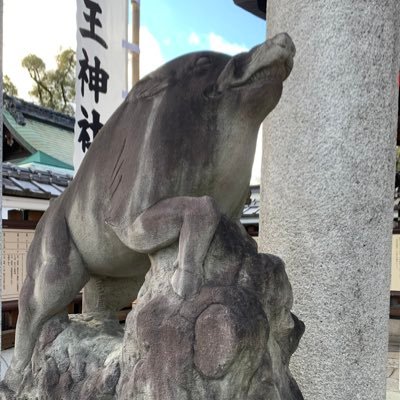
x: 101, y: 68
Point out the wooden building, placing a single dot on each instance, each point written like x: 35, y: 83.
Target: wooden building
x: 38, y: 148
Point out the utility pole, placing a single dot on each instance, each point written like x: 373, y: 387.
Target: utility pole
x: 135, y: 39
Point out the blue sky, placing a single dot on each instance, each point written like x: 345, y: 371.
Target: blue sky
x: 181, y: 26
x: 169, y: 28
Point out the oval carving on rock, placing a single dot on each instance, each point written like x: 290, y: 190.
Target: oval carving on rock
x: 216, y: 341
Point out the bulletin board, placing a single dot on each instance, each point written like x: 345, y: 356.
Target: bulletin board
x: 15, y: 247
x: 395, y: 281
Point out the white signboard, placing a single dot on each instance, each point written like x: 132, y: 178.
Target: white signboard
x: 15, y: 247
x: 101, y: 67
x: 395, y: 281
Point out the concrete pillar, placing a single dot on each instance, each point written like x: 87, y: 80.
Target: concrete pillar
x: 327, y: 187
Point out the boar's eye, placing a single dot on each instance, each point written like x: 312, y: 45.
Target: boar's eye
x: 203, y: 61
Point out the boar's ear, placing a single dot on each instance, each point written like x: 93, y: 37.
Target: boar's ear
x: 149, y: 87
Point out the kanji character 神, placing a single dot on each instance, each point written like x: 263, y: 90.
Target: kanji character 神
x: 94, y: 76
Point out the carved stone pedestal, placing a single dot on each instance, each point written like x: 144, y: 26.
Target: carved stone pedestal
x: 232, y: 340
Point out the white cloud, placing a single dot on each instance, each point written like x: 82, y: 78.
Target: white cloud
x: 25, y: 32
x: 150, y: 52
x: 46, y: 27
x: 194, y: 39
x: 219, y: 44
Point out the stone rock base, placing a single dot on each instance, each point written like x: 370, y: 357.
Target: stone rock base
x: 75, y: 358
x: 231, y: 341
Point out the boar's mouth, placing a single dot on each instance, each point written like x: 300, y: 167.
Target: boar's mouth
x: 267, y: 75
x: 268, y: 63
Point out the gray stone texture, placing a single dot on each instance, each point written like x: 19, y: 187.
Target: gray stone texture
x: 163, y: 185
x: 233, y: 340
x: 76, y: 358
x: 175, y: 155
x: 327, y: 188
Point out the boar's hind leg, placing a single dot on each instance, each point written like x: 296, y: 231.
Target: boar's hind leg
x: 55, y: 275
x: 191, y: 219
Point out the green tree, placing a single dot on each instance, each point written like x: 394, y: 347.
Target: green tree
x: 8, y: 87
x: 54, y: 89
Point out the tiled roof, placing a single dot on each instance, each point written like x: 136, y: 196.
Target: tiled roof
x: 21, y: 108
x: 251, y: 210
x: 26, y: 182
x: 40, y: 129
x: 43, y: 160
x: 29, y: 182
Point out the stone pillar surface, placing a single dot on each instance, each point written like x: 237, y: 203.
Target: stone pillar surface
x: 327, y: 188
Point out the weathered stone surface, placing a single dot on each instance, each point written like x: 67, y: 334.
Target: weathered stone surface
x: 76, y: 358
x: 232, y: 340
x: 165, y: 180
x: 327, y: 187
x: 175, y: 154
